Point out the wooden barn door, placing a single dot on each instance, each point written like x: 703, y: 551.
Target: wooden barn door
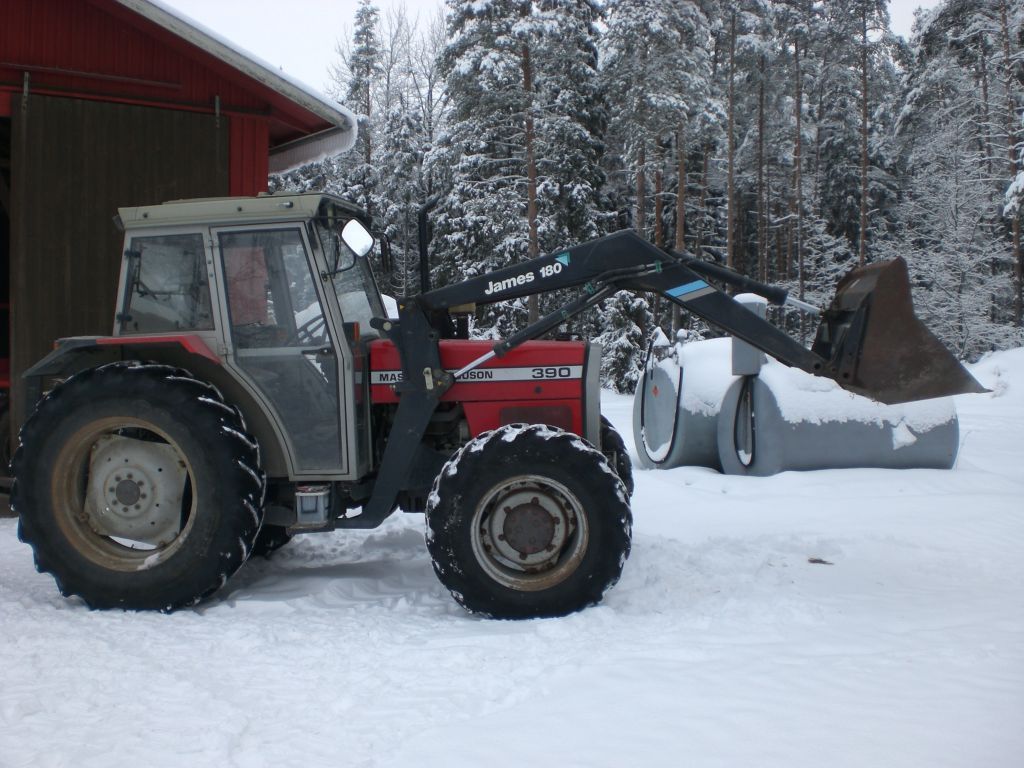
x: 74, y: 162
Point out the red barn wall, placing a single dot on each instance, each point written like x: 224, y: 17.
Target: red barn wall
x: 109, y: 109
x: 99, y: 50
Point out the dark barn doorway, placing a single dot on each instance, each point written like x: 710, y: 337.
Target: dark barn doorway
x: 74, y: 162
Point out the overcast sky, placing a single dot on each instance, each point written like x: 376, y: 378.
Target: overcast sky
x: 301, y: 36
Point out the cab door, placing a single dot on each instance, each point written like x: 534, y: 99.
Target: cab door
x: 280, y: 343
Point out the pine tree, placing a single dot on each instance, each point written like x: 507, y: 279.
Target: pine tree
x: 624, y: 340
x: 656, y: 71
x: 481, y: 225
x: 953, y: 236
x: 570, y: 122
x: 646, y: 75
x: 521, y: 143
x: 401, y: 194
x: 361, y: 66
x: 568, y: 114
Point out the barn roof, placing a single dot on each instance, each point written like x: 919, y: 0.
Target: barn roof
x: 339, y: 131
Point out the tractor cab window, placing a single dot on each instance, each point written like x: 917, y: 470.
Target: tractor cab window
x: 272, y: 301
x: 353, y: 281
x: 358, y: 297
x: 167, y: 287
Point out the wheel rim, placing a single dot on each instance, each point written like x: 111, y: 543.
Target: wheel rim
x: 124, y: 493
x: 529, y: 533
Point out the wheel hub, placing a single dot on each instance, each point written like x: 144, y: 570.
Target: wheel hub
x: 135, y: 490
x: 528, y: 528
x: 128, y: 493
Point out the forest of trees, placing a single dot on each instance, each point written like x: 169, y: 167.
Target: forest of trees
x: 789, y: 139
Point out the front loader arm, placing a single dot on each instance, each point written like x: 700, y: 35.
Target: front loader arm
x: 869, y: 341
x: 595, y: 261
x: 687, y: 289
x: 625, y: 261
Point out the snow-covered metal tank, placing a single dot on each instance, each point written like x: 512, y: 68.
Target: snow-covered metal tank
x: 677, y: 400
x: 723, y: 404
x: 778, y: 420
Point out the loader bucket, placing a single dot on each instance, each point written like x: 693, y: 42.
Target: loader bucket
x: 877, y: 347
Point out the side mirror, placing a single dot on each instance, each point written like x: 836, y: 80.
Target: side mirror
x: 357, y: 237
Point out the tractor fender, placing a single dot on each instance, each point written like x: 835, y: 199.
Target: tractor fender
x: 188, y: 351
x: 68, y: 353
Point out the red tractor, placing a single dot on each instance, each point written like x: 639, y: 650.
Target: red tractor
x: 254, y: 388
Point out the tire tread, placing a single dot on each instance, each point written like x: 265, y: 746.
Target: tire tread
x: 201, y: 406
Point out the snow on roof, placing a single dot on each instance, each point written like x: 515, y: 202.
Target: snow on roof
x: 340, y: 138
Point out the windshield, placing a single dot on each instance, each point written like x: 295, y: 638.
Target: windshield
x: 354, y: 285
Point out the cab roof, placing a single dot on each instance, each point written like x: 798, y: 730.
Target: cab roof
x: 231, y: 210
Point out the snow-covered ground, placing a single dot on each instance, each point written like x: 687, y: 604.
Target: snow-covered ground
x: 728, y: 641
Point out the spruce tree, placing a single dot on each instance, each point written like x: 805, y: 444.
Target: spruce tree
x: 481, y: 224
x: 520, y: 145
x: 362, y: 63
x: 953, y: 233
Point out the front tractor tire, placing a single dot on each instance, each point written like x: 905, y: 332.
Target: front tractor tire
x: 137, y: 487
x: 528, y: 521
x: 614, y: 449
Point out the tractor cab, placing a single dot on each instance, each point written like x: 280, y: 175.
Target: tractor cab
x: 278, y: 288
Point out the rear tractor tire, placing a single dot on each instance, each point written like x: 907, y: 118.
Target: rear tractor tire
x: 528, y: 521
x: 137, y: 487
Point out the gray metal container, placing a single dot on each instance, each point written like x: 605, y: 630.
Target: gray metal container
x: 676, y: 405
x: 756, y: 437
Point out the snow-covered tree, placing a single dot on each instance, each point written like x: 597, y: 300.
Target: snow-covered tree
x: 627, y: 317
x: 953, y: 234
x: 569, y: 118
x: 520, y: 145
x: 788, y: 138
x: 356, y: 79
x: 481, y: 225
x: 655, y: 73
